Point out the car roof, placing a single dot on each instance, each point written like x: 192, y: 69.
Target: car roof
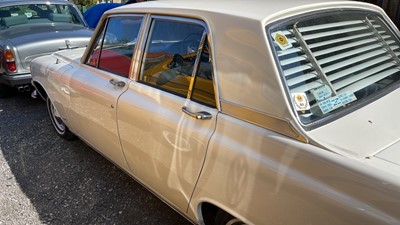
x: 252, y: 9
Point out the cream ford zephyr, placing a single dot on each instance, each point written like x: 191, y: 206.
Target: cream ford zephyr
x: 241, y: 112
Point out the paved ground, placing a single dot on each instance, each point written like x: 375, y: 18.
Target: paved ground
x: 47, y: 180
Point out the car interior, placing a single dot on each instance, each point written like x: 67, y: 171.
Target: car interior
x: 37, y: 13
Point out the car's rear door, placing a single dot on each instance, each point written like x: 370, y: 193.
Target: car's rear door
x: 167, y: 117
x: 96, y: 85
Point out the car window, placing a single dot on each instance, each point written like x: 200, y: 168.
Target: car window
x: 29, y: 14
x: 172, y: 50
x: 203, y: 88
x: 114, y: 48
x: 336, y: 61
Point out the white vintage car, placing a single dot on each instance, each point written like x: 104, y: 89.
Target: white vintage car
x: 232, y: 112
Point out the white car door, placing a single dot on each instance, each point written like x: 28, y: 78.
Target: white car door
x: 96, y: 85
x: 164, y: 127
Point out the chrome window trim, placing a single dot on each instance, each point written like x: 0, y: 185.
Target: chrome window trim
x: 196, y: 64
x: 139, y: 48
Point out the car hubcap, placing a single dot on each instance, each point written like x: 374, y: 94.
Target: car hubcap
x: 59, y: 124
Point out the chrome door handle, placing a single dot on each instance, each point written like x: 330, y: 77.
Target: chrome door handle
x: 117, y: 83
x: 198, y: 115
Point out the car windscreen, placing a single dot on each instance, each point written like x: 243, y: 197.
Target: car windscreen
x: 29, y: 14
x: 335, y: 62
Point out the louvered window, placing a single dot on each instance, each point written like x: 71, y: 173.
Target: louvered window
x: 334, y: 60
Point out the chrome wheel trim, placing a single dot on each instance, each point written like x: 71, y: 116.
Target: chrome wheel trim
x: 56, y: 118
x: 234, y: 221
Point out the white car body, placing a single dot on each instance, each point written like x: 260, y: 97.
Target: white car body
x: 253, y: 154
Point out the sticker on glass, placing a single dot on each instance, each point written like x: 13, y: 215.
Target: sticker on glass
x: 300, y: 101
x: 321, y: 93
x: 281, y: 40
x: 337, y: 101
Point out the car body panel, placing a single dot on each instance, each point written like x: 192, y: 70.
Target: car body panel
x: 163, y: 143
x: 93, y: 113
x: 296, y: 181
x: 369, y: 123
x: 46, y: 40
x: 390, y: 154
x: 254, y: 158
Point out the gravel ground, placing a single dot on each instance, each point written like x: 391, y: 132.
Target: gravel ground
x: 47, y: 180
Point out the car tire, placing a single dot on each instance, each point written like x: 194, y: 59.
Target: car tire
x: 58, y: 124
x: 223, y: 218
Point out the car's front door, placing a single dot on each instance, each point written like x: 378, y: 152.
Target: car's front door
x: 167, y: 117
x: 97, y: 84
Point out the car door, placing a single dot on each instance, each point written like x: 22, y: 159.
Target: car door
x: 96, y: 85
x: 167, y: 117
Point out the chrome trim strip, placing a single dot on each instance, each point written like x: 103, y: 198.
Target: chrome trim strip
x: 196, y: 64
x: 139, y: 48
x: 273, y: 123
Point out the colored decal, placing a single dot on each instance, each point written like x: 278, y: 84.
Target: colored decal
x: 300, y: 101
x: 281, y: 40
x: 335, y: 102
x: 322, y: 93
